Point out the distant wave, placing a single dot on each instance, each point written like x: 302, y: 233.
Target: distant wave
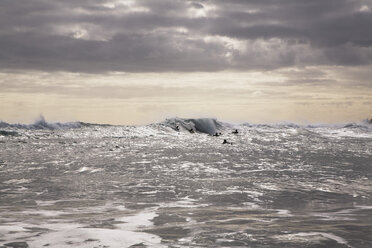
x: 202, y: 125
x: 365, y: 124
x: 41, y: 123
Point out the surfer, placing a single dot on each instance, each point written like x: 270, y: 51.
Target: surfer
x: 177, y: 128
x: 191, y: 130
x: 217, y: 134
x: 226, y: 142
x: 235, y: 132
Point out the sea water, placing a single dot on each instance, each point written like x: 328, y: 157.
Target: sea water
x: 160, y: 185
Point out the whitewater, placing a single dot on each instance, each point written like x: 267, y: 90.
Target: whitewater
x: 176, y: 184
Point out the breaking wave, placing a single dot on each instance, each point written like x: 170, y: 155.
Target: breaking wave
x: 41, y: 123
x: 202, y: 125
x: 209, y: 126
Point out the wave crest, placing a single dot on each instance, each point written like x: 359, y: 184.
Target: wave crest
x: 202, y: 125
x: 41, y: 123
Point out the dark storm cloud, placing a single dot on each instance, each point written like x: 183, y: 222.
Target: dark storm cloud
x: 180, y: 35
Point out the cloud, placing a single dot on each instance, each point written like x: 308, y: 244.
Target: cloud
x: 179, y: 35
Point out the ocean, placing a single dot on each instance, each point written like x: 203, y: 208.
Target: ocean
x: 178, y: 184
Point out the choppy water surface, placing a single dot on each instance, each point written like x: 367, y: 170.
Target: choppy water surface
x: 153, y: 186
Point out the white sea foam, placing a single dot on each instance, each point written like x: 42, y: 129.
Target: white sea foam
x: 18, y: 181
x: 70, y: 235
x: 60, y: 233
x: 45, y: 213
x: 89, y: 170
x: 308, y: 236
x: 284, y: 212
x: 137, y: 221
x: 363, y: 207
x: 185, y: 202
x: 12, y: 232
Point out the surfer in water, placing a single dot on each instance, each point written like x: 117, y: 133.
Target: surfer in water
x: 235, y: 132
x: 226, y: 142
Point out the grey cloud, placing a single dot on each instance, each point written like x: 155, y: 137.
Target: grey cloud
x: 197, y: 5
x: 321, y: 23
x: 123, y: 52
x: 259, y: 32
x: 168, y: 35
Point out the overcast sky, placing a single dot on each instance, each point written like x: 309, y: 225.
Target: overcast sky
x: 137, y: 61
